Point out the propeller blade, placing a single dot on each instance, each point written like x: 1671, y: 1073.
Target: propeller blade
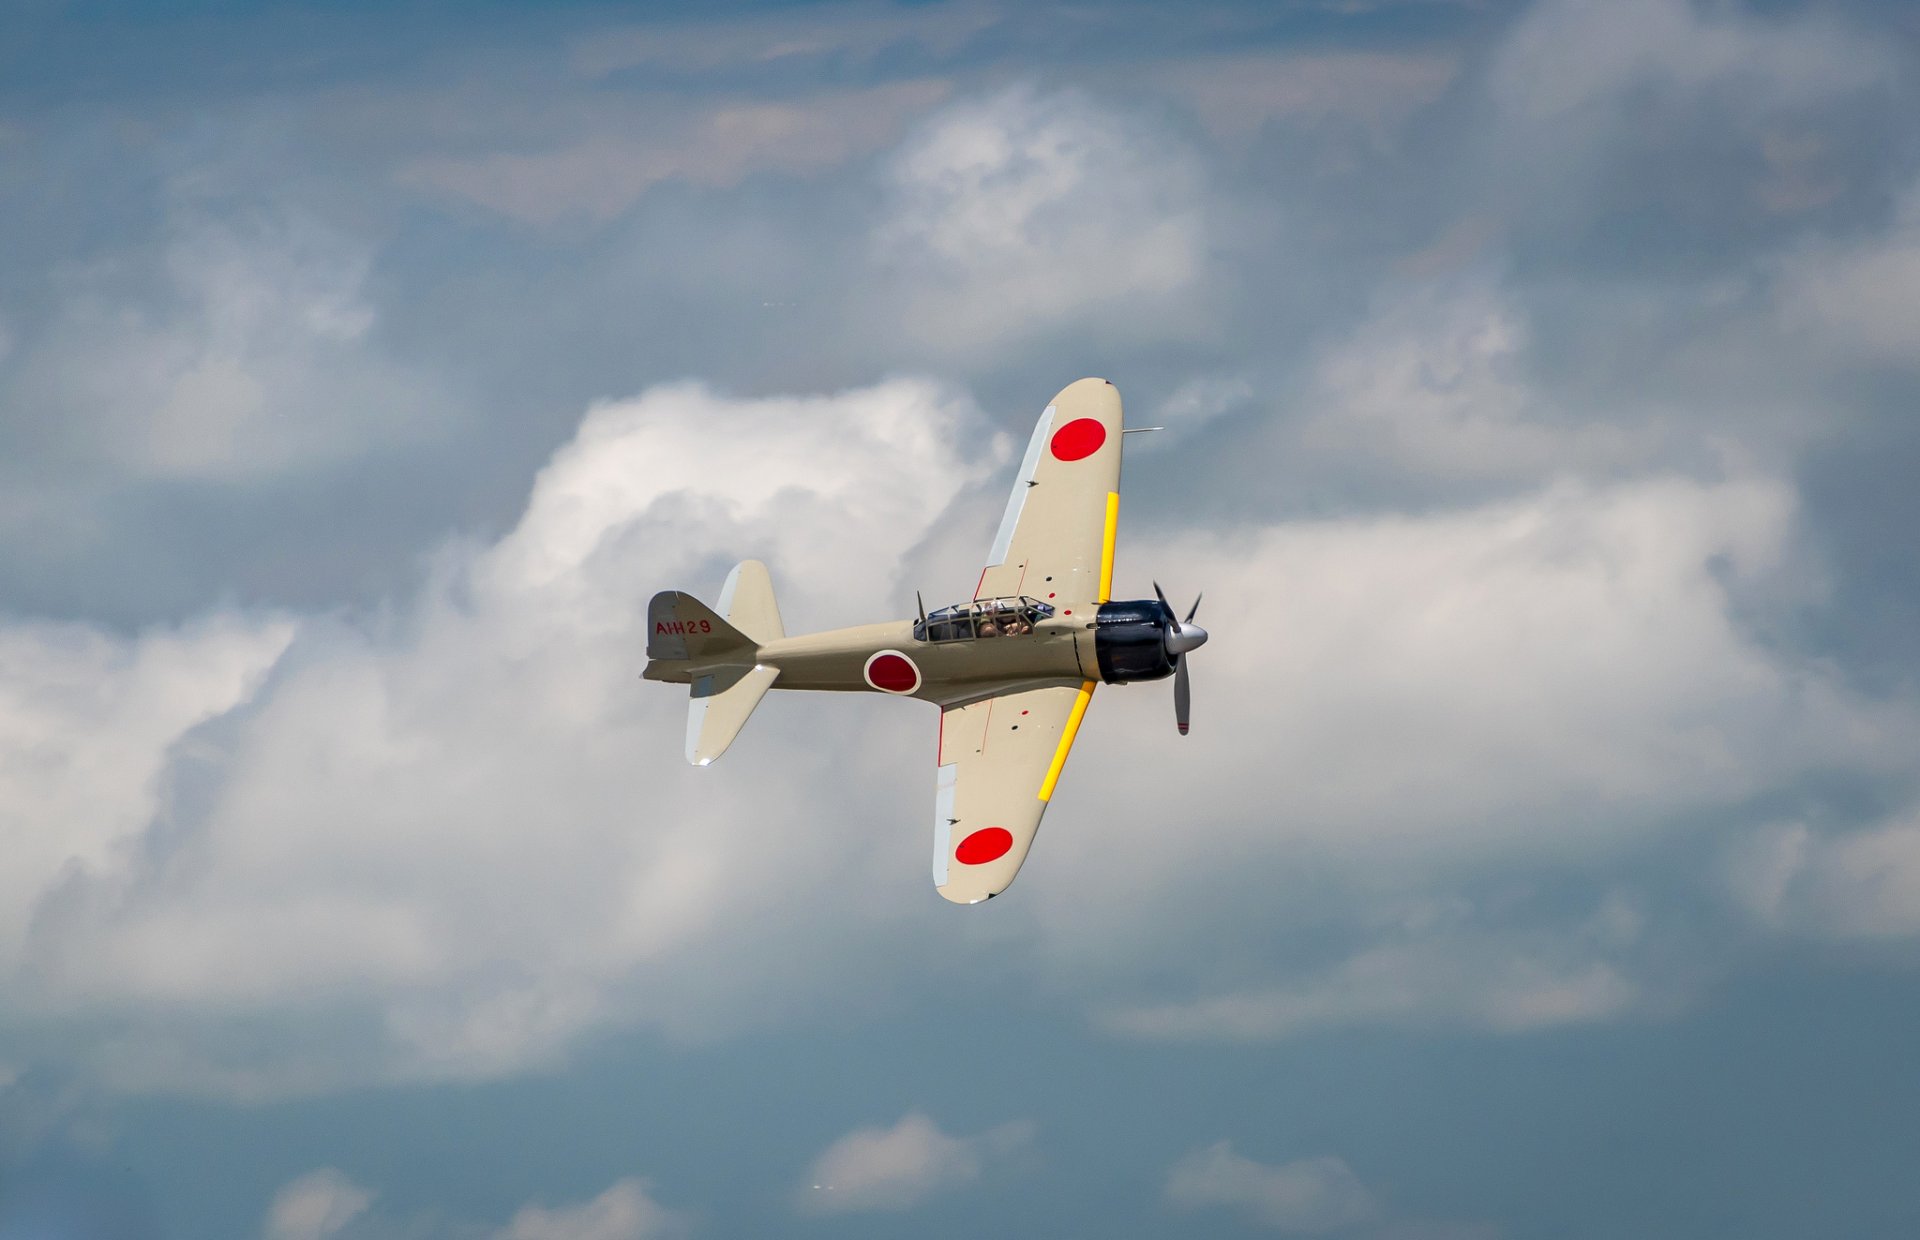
x: 1193, y: 610
x: 1162, y: 596
x: 1182, y: 694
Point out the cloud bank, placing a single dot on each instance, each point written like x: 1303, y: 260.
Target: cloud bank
x: 452, y: 838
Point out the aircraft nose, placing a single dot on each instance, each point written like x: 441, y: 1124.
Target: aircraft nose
x: 1186, y: 637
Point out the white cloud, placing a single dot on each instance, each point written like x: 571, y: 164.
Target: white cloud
x: 317, y: 1205
x: 325, y: 1203
x: 626, y: 1211
x: 1396, y: 710
x: 1856, y: 298
x: 1519, y: 674
x: 899, y: 1167
x: 1473, y: 981
x: 1310, y: 1197
x: 89, y: 727
x: 1433, y: 383
x: 1858, y: 884
x: 259, y: 855
x: 255, y: 357
x: 1024, y: 210
x: 463, y: 830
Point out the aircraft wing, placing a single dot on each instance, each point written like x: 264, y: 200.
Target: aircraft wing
x: 1056, y: 539
x: 999, y: 760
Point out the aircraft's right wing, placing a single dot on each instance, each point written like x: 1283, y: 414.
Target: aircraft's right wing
x: 999, y: 760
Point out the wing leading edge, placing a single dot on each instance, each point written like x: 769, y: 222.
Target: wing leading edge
x: 999, y: 762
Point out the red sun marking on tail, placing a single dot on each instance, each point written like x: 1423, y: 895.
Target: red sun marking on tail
x: 1079, y: 439
x: 986, y: 844
x: 892, y: 672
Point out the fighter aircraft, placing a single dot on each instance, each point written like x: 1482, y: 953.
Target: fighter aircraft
x: 1011, y: 669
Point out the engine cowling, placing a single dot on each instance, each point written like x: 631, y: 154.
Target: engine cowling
x: 1130, y: 640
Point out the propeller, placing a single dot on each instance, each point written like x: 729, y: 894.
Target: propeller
x: 1185, y: 635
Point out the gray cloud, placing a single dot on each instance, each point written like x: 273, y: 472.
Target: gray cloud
x: 600, y: 176
x: 1310, y: 1197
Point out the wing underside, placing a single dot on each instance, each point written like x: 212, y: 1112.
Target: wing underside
x: 999, y: 762
x: 1056, y: 536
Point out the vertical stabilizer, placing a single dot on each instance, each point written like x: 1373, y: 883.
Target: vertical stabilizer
x: 747, y: 602
x: 682, y: 629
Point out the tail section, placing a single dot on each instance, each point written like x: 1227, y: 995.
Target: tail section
x: 688, y: 643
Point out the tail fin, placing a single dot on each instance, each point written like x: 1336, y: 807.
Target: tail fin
x: 688, y: 643
x: 682, y: 629
x: 747, y: 602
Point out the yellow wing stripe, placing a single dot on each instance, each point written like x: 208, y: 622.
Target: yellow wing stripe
x: 1073, y: 721
x: 1106, y: 546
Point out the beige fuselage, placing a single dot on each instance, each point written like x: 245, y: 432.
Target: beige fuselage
x: 1059, y: 651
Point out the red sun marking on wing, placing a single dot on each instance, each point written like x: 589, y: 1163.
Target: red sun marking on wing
x: 1079, y: 439
x: 986, y: 844
x: 892, y: 673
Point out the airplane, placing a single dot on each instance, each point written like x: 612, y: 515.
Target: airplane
x: 1012, y: 669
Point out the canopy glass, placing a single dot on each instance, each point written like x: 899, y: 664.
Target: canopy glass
x: 987, y: 617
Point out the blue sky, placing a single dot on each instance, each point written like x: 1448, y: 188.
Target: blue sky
x: 1539, y: 383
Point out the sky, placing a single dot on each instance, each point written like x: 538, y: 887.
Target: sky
x: 1539, y: 383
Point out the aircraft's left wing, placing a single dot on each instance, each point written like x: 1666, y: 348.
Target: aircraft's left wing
x: 1056, y: 539
x: 999, y: 760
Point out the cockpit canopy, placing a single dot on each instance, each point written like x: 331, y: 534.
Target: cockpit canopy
x: 987, y: 617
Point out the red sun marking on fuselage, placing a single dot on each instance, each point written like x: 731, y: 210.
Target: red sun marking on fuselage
x: 1079, y: 439
x: 986, y: 844
x: 892, y: 673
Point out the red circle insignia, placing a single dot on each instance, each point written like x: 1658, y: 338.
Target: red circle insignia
x: 986, y: 844
x: 891, y: 672
x: 1079, y: 439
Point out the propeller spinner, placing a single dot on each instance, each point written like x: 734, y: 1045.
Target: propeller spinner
x: 1185, y: 635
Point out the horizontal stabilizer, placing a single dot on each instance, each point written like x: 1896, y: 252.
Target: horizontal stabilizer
x: 719, y: 709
